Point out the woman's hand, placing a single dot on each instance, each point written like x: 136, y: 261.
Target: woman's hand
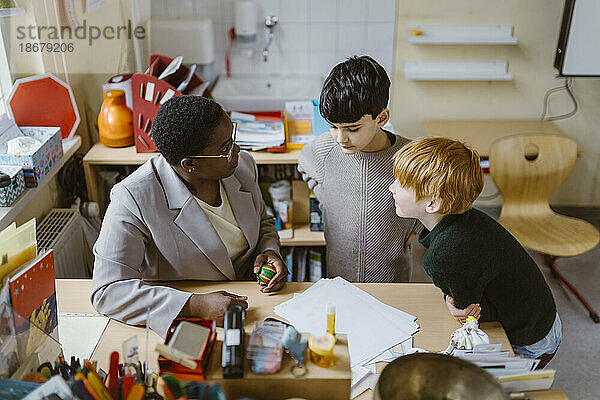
x: 212, y: 305
x: 269, y: 257
x: 461, y: 315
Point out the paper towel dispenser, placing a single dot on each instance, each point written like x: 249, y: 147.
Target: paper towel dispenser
x: 194, y: 39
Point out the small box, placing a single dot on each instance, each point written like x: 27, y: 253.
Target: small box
x: 42, y: 160
x: 167, y: 366
x: 10, y: 193
x: 297, y: 117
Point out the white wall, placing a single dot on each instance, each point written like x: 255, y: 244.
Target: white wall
x: 311, y: 37
x: 88, y: 67
x: 536, y: 25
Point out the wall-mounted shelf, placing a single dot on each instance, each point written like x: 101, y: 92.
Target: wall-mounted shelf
x: 8, y: 214
x: 11, y: 12
x: 457, y: 71
x: 461, y: 34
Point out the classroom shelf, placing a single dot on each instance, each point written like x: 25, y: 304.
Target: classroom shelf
x: 8, y: 214
x: 303, y: 236
x: 264, y: 157
x: 100, y: 154
x: 461, y: 34
x: 457, y: 71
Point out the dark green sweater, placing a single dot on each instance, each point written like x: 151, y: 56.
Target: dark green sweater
x: 472, y: 258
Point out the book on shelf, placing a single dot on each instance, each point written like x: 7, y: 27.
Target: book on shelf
x: 258, y: 130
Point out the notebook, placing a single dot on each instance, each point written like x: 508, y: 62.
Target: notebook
x: 33, y: 294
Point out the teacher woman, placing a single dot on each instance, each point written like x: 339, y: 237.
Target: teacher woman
x: 194, y: 212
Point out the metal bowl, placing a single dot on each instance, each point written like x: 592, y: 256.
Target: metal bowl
x: 425, y: 376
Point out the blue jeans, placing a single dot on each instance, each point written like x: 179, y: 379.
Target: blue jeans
x: 547, y: 345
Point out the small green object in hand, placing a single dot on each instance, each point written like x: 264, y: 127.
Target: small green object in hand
x: 266, y: 273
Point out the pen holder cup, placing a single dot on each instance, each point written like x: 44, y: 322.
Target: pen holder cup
x: 179, y: 371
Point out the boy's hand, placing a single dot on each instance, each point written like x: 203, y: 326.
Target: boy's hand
x: 461, y: 315
x: 269, y: 257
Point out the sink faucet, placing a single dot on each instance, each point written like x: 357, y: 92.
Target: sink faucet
x: 270, y: 22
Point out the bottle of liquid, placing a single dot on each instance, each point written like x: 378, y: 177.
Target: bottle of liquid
x: 281, y: 194
x: 331, y: 318
x: 115, y: 124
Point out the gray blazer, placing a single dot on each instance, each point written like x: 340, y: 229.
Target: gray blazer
x: 154, y: 229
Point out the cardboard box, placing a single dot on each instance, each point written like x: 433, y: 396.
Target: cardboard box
x: 43, y: 159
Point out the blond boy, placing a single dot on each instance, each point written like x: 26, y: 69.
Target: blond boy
x: 479, y: 266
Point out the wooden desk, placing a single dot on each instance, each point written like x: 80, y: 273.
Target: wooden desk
x: 421, y: 300
x: 482, y: 133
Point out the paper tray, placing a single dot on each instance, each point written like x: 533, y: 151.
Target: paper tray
x: 179, y: 371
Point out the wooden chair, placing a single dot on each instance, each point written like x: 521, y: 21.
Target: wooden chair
x: 528, y: 169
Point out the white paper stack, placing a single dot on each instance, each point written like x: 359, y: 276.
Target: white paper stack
x: 374, y: 329
x: 515, y: 374
x: 530, y: 381
x: 255, y: 131
x: 495, y: 361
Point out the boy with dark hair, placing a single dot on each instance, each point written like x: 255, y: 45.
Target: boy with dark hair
x: 349, y: 170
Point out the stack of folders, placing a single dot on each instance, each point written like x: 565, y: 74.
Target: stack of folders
x: 515, y: 374
x: 376, y: 331
x: 256, y: 132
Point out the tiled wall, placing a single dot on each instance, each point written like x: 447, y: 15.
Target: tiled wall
x: 311, y: 37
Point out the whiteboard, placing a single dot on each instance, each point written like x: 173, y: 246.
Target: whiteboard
x: 580, y: 39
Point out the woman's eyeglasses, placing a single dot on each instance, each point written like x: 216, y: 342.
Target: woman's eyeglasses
x: 229, y: 154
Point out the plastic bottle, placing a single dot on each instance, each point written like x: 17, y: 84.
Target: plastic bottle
x: 281, y: 194
x: 331, y: 318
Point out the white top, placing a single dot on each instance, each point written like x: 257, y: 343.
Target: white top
x: 224, y: 222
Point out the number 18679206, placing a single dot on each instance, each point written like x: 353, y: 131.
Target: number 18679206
x: 46, y: 47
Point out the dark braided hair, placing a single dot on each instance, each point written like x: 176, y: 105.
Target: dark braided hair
x: 183, y: 126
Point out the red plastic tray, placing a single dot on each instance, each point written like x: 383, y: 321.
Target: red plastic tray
x: 167, y: 366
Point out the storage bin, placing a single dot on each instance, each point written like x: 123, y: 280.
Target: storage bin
x: 43, y: 159
x: 10, y: 193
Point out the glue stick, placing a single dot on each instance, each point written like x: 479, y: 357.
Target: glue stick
x: 331, y: 318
